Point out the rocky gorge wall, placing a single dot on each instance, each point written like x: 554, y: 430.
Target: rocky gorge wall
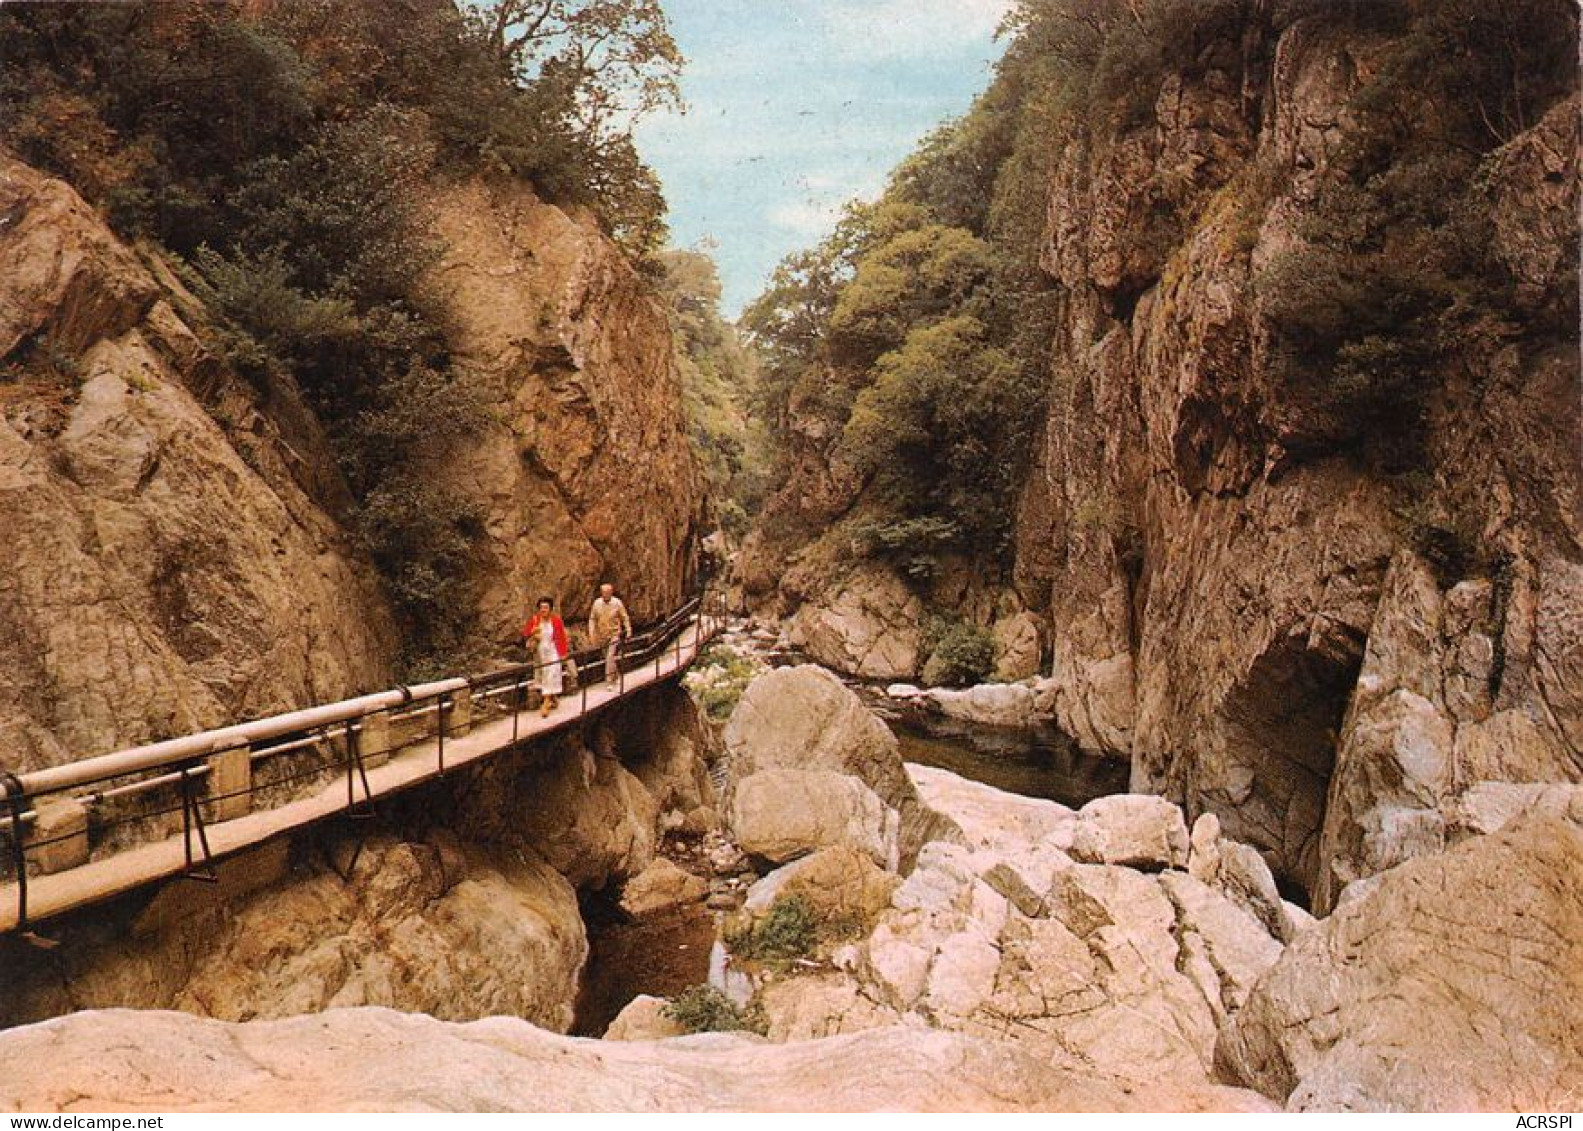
x: 1220, y: 592
x: 586, y: 473
x: 180, y: 548
x: 175, y: 555
x: 1248, y: 621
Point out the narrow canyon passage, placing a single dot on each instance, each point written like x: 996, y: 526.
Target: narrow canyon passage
x: 1134, y: 445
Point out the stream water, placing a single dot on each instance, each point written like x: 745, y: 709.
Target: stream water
x: 660, y: 954
x: 1035, y: 762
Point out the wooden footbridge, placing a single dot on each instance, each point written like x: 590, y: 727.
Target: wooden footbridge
x: 91, y: 830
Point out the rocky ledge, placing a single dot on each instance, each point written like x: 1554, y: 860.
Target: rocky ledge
x: 362, y: 1059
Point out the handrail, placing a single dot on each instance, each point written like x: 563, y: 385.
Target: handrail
x: 170, y: 753
x: 182, y: 760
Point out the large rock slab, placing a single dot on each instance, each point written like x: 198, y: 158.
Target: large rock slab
x: 783, y: 814
x: 1033, y: 832
x: 374, y: 1059
x: 988, y: 704
x: 448, y: 928
x: 1449, y: 983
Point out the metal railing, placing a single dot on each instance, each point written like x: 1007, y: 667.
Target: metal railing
x: 61, y: 816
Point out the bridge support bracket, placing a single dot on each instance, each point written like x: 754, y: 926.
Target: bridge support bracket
x: 192, y: 821
x: 356, y: 771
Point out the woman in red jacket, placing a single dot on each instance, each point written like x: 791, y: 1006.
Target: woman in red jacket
x: 545, y: 637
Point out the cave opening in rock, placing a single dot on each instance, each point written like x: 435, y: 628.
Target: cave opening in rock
x: 1279, y: 728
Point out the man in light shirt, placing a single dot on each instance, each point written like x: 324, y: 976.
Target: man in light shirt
x: 608, y: 626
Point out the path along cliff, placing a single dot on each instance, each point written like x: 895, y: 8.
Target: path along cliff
x: 180, y: 548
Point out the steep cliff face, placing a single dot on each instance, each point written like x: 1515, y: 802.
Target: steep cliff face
x: 181, y: 549
x: 1236, y: 605
x: 174, y: 558
x: 585, y: 468
x: 1301, y: 533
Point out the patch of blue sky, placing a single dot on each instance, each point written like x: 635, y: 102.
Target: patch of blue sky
x: 796, y: 107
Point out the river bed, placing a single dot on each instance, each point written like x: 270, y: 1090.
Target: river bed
x: 664, y: 953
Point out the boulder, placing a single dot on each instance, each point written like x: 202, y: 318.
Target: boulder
x: 804, y: 718
x: 839, y: 883
x: 643, y: 1019
x: 1017, y: 646
x: 820, y: 1005
x: 988, y: 704
x: 1238, y: 947
x: 870, y: 626
x: 1014, y: 826
x: 662, y: 884
x: 375, y: 1059
x: 782, y: 814
x: 1489, y: 806
x: 1240, y: 872
x: 1203, y: 848
x: 1448, y: 983
x: 1134, y: 829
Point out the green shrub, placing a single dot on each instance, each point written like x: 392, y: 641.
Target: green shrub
x: 961, y: 654
x: 912, y: 545
x: 788, y: 930
x: 704, y: 1009
x: 719, y: 679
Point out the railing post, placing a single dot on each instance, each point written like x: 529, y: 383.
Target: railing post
x: 229, y: 783
x: 60, y: 830
x: 192, y: 818
x: 461, y: 712
x: 440, y: 731
x: 373, y: 737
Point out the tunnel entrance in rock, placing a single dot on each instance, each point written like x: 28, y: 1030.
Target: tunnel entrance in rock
x: 1279, y: 728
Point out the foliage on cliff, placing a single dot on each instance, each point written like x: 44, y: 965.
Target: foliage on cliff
x: 912, y: 344
x: 718, y: 372
x: 282, y: 150
x: 915, y: 334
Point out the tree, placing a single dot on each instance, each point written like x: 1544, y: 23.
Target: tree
x: 616, y: 60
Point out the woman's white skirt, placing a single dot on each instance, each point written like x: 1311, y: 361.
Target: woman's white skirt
x: 550, y: 672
